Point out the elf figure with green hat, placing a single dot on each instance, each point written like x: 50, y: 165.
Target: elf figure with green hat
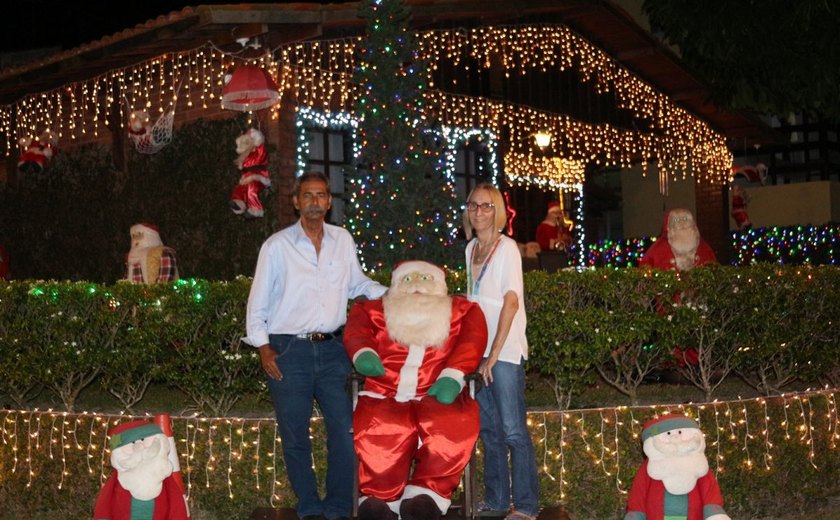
x: 141, y: 487
x: 674, y: 482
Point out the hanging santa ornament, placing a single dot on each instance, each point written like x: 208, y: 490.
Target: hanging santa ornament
x: 36, y: 152
x: 249, y: 88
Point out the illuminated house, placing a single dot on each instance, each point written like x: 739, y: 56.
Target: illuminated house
x: 612, y: 98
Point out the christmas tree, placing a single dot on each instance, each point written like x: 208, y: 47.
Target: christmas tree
x: 401, y: 205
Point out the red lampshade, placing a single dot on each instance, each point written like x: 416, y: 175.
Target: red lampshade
x: 249, y: 88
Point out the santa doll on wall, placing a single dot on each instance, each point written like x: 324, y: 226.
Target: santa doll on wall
x: 680, y: 246
x: 674, y: 482
x: 739, y: 207
x: 37, y: 152
x: 149, y: 261
x: 142, y: 485
x: 415, y: 346
x: 253, y: 163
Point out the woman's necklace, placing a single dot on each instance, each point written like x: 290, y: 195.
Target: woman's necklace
x: 480, y: 259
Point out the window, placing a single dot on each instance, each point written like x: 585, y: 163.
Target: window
x: 472, y: 166
x: 330, y: 153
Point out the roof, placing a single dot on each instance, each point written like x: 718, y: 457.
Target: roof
x: 601, y: 22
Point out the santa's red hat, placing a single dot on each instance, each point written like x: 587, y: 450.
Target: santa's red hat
x: 554, y: 206
x: 132, y: 431
x: 667, y: 423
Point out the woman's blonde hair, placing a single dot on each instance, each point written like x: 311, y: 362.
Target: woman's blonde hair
x: 499, y: 207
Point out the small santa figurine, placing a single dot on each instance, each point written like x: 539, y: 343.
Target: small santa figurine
x: 674, y: 482
x: 739, y: 207
x: 680, y: 246
x: 37, y: 152
x: 142, y: 484
x: 555, y: 231
x: 415, y: 346
x: 253, y: 163
x: 149, y: 261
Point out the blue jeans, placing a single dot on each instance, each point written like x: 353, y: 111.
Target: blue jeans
x: 503, y: 430
x: 315, y: 372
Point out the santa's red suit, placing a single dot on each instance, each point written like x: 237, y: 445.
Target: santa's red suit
x: 660, y: 255
x: 115, y: 502
x: 648, y: 495
x: 245, y: 198
x: 395, y: 411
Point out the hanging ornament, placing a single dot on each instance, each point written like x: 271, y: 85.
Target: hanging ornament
x: 37, y: 152
x: 249, y: 88
x: 253, y: 165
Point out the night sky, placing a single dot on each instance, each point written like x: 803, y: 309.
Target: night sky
x: 67, y: 24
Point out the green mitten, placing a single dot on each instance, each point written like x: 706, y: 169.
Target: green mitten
x: 445, y: 390
x: 369, y: 364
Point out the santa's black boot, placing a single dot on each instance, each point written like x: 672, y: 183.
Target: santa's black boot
x: 375, y: 509
x: 421, y: 507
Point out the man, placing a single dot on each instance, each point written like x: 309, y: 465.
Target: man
x: 555, y: 232
x: 142, y: 485
x: 149, y: 261
x: 415, y: 347
x: 680, y: 246
x: 305, y: 275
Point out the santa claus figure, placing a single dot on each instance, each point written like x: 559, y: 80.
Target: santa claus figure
x: 739, y: 207
x: 415, y: 347
x: 253, y: 163
x: 680, y: 246
x: 139, y: 125
x: 141, y: 485
x: 37, y: 152
x: 674, y: 482
x: 149, y: 261
x: 555, y: 231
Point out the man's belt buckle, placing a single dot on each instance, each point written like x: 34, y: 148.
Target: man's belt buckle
x: 320, y: 336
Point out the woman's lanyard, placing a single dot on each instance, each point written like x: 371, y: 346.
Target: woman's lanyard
x: 473, y: 286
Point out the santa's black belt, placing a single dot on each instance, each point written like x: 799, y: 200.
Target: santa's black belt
x: 317, y: 337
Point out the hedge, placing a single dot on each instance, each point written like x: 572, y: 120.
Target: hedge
x: 768, y: 324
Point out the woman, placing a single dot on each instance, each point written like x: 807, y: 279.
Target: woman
x: 494, y: 280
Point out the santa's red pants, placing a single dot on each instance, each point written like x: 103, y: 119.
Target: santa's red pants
x: 249, y: 195
x: 386, y: 435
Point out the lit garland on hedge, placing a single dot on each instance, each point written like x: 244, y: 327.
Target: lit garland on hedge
x: 616, y: 254
x: 816, y: 245
x: 212, y: 450
x: 318, y: 73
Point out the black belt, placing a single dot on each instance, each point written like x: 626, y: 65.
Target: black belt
x: 321, y: 336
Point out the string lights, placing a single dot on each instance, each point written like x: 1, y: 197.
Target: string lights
x: 318, y: 74
x: 229, y: 451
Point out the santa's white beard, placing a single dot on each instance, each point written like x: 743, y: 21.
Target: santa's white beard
x: 421, y: 320
x: 142, y: 472
x: 684, y: 244
x: 678, y: 469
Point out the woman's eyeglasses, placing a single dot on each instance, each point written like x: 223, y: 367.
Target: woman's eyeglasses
x: 485, y: 206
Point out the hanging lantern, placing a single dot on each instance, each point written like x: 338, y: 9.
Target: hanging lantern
x: 249, y: 88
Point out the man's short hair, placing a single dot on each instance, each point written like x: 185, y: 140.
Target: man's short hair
x: 312, y: 175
